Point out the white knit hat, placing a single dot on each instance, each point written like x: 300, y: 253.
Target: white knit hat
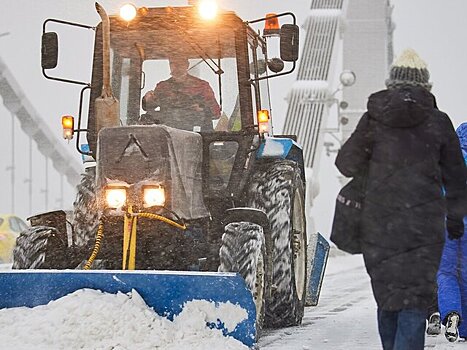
x: 409, y: 69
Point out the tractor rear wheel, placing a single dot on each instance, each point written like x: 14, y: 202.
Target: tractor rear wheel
x: 278, y: 190
x: 243, y: 250
x: 85, y: 213
x: 40, y: 247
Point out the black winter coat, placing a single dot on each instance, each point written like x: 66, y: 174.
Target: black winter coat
x: 416, y: 175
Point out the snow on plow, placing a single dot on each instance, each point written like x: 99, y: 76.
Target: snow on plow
x: 166, y: 292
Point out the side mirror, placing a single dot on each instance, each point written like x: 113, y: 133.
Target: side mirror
x: 289, y: 45
x: 275, y: 65
x: 49, y: 51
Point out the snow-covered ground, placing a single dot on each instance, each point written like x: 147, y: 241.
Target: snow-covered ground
x: 5, y: 267
x: 344, y: 319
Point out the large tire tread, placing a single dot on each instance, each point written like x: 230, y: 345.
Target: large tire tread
x: 272, y: 190
x: 242, y: 244
x: 85, y: 209
x: 31, y: 248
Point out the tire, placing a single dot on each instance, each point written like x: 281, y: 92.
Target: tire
x: 39, y: 247
x: 85, y: 210
x: 278, y: 190
x: 244, y: 250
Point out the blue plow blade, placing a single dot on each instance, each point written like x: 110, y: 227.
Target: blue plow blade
x: 165, y: 291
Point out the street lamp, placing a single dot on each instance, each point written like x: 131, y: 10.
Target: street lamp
x: 347, y: 78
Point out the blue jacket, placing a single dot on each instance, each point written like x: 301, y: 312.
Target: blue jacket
x: 452, y: 274
x: 462, y: 134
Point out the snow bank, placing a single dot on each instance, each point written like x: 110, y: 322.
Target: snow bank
x: 91, y: 319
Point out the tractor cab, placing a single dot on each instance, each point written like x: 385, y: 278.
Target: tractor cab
x: 207, y: 66
x: 172, y: 67
x: 225, y: 54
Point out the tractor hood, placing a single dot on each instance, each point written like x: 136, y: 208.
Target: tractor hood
x: 136, y: 155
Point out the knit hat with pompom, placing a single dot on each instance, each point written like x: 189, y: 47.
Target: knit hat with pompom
x: 408, y: 69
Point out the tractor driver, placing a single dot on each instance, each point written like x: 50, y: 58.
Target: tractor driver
x: 186, y: 102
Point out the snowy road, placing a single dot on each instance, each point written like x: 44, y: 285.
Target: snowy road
x: 345, y: 317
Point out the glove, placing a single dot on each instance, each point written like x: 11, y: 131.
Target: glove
x: 455, y: 228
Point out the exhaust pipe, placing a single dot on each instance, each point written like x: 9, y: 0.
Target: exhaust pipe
x: 106, y: 107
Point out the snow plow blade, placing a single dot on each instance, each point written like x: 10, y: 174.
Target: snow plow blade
x: 165, y: 291
x: 320, y: 258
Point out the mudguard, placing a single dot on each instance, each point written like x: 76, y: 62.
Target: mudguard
x: 164, y: 291
x: 281, y: 148
x: 320, y: 258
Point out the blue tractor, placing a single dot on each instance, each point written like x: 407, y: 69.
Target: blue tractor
x: 202, y: 188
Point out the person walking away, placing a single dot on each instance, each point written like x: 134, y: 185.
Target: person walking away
x: 452, y: 274
x: 409, y: 151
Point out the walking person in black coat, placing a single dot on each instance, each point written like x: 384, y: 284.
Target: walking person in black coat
x: 409, y: 151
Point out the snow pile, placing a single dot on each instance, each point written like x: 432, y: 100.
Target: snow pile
x: 91, y: 319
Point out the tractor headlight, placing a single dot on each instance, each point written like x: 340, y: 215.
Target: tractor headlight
x: 153, y: 195
x: 115, y: 197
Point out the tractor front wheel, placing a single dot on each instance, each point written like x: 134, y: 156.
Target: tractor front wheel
x: 243, y: 250
x: 85, y: 213
x: 40, y: 247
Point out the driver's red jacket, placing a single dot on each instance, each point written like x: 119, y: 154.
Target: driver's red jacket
x: 187, y: 93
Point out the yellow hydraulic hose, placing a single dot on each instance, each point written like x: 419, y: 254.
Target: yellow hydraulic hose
x: 129, y: 241
x: 127, y: 224
x: 97, y: 245
x: 129, y: 237
x: 132, y: 262
x: 163, y: 219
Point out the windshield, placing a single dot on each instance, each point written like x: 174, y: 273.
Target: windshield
x: 182, y: 78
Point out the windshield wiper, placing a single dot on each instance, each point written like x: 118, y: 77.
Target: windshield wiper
x: 199, y: 50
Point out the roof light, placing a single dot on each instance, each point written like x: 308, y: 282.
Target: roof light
x: 207, y: 9
x: 263, y: 116
x: 271, y: 25
x: 68, y: 123
x: 128, y: 12
x: 143, y: 11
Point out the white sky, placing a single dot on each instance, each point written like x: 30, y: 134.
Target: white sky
x: 434, y: 28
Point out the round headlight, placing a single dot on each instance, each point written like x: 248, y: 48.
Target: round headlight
x: 154, y: 196
x: 115, y: 197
